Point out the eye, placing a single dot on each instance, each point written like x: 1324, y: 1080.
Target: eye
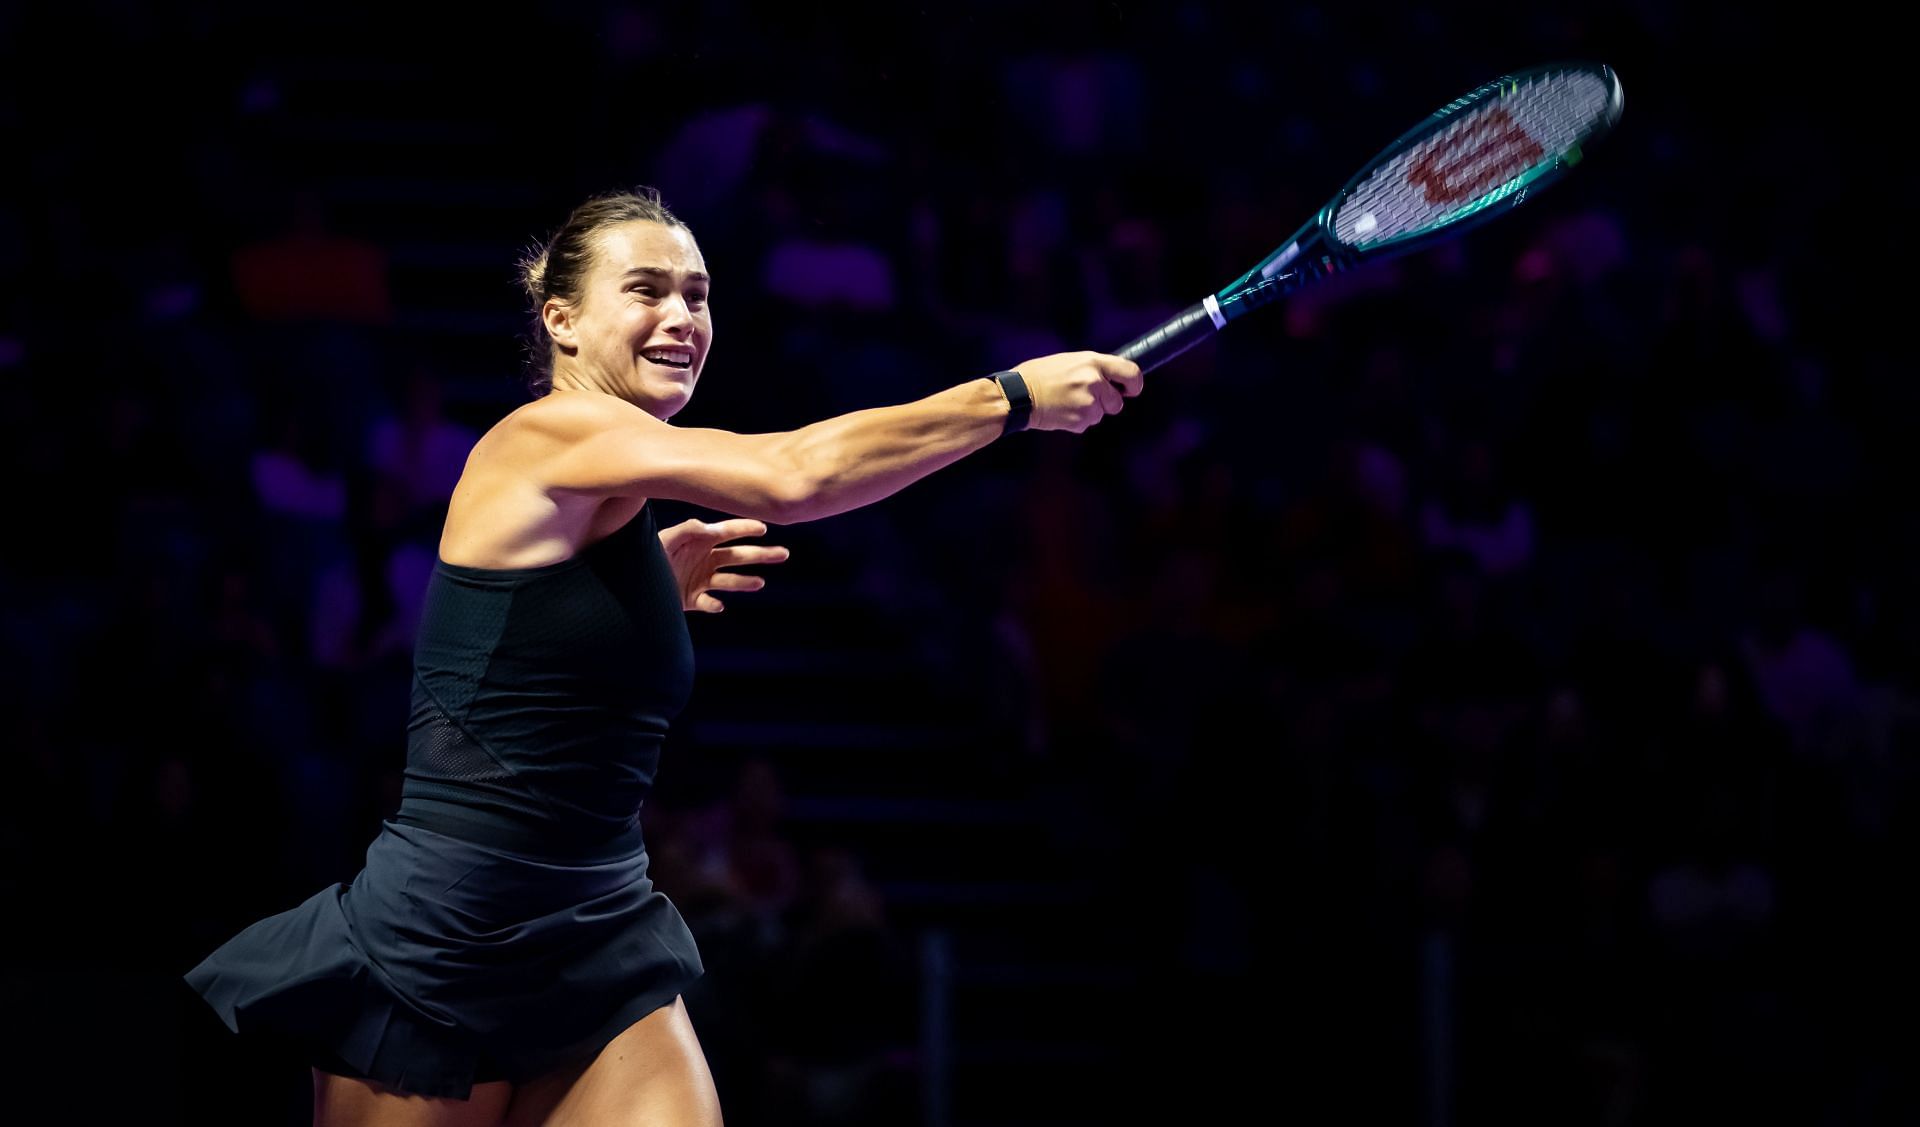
x: 698, y: 297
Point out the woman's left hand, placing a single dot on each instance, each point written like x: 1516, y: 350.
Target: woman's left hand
x: 693, y: 548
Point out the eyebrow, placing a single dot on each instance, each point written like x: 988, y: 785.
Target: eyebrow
x: 695, y: 276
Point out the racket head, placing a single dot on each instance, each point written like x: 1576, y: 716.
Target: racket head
x: 1480, y: 155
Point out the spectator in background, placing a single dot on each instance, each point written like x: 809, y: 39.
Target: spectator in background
x: 1713, y: 908
x: 319, y: 303
x: 367, y: 605
x: 1067, y: 530
x: 300, y: 492
x: 367, y: 608
x: 733, y: 856
x: 842, y: 1021
x: 184, y: 338
x: 1124, y: 276
x: 418, y: 449
x: 1722, y: 737
x: 1351, y: 537
x: 737, y: 878
x: 1463, y: 648
x: 1804, y: 675
x: 825, y: 251
x: 1477, y: 510
x: 1087, y: 106
x: 1038, y: 308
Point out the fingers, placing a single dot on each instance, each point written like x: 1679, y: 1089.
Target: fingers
x: 1118, y: 379
x: 734, y: 529
x: 749, y: 554
x: 735, y: 581
x: 725, y: 581
x: 1075, y: 390
x: 1124, y: 374
x: 715, y: 532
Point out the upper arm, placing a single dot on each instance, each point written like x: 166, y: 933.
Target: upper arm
x: 613, y: 448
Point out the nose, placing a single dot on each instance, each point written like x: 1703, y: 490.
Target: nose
x: 675, y: 317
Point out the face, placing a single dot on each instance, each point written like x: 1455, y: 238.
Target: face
x: 642, y: 327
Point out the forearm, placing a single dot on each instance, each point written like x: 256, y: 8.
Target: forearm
x: 858, y: 458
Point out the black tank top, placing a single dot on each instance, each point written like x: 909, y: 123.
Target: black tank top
x: 541, y: 696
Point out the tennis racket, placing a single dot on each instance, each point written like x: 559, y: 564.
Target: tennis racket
x: 1479, y: 156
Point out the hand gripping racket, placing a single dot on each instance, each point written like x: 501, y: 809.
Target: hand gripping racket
x: 1480, y: 155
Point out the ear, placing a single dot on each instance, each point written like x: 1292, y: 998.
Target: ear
x: 557, y: 316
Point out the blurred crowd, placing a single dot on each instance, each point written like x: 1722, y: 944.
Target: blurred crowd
x: 1502, y: 652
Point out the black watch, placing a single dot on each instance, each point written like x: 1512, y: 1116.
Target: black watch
x: 1019, y: 400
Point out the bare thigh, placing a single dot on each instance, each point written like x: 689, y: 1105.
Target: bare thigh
x: 653, y: 1073
x: 340, y: 1101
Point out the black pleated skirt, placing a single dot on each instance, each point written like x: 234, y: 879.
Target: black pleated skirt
x: 445, y: 963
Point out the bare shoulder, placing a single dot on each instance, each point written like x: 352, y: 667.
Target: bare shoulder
x: 600, y: 447
x: 508, y: 510
x: 538, y: 434
x: 564, y: 419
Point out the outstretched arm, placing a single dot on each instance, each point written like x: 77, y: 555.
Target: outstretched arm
x: 604, y: 446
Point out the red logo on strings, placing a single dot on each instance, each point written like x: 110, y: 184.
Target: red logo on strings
x: 1483, y: 155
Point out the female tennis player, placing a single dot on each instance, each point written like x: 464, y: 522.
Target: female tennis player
x: 503, y: 957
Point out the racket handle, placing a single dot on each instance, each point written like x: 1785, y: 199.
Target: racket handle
x: 1180, y: 332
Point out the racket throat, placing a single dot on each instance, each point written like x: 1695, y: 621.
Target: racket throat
x: 1302, y: 261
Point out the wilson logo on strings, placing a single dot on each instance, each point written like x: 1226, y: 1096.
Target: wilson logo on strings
x: 1473, y: 159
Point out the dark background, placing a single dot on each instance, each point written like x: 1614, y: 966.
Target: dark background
x: 1479, y: 690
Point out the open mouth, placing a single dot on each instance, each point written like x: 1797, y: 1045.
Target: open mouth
x: 678, y: 361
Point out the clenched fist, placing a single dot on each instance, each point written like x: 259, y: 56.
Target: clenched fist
x: 1074, y: 390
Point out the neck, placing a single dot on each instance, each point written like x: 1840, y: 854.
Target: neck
x: 572, y: 379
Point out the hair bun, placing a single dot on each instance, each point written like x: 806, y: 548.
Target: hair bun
x: 533, y: 274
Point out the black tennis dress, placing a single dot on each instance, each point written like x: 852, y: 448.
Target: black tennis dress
x: 504, y: 922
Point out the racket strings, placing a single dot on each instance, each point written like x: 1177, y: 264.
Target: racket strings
x: 1496, y: 145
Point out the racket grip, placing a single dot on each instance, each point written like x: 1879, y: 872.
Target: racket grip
x: 1180, y: 332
